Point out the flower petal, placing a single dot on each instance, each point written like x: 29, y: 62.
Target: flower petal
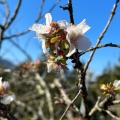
x: 63, y: 24
x: 48, y: 19
x: 5, y: 84
x: 72, y: 50
x: 43, y: 46
x: 50, y: 66
x: 0, y: 81
x: 7, y: 99
x: 83, y: 43
x: 39, y: 28
x: 116, y: 83
x: 83, y: 26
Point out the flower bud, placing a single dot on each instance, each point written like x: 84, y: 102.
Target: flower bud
x: 62, y: 60
x: 51, y: 57
x: 54, y: 40
x: 65, y: 44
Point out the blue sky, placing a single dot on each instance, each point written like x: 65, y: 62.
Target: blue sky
x: 96, y: 12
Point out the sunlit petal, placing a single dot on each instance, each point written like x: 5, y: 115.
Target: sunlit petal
x: 63, y: 24
x: 48, y: 18
x: 5, y: 84
x: 50, y: 66
x: 116, y: 83
x: 71, y: 51
x: 83, y: 26
x: 7, y: 99
x: 44, y: 47
x: 83, y: 43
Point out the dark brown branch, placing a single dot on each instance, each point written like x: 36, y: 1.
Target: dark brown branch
x: 70, y: 9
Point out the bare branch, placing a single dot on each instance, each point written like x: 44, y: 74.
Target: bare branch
x: 102, y: 34
x: 70, y: 9
x: 38, y: 18
x: 100, y: 46
x: 14, y: 15
x: 70, y: 104
x: 7, y: 13
x: 48, y: 95
x: 65, y: 97
x: 116, y: 102
x: 109, y: 113
x: 21, y: 49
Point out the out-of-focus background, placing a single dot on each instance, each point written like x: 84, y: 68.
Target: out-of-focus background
x: 36, y: 91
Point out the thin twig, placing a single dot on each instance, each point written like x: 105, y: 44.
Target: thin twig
x: 69, y: 105
x: 109, y: 113
x: 48, y: 95
x: 38, y: 18
x: 102, y: 35
x: 100, y: 46
x: 70, y: 9
x: 7, y: 12
x: 14, y: 15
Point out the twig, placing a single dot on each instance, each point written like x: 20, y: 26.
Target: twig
x: 38, y: 18
x: 70, y: 9
x: 65, y: 97
x: 48, y: 95
x: 14, y: 15
x: 7, y: 12
x: 78, y: 66
x: 102, y: 35
x: 109, y: 113
x: 116, y: 102
x: 100, y: 46
x: 69, y: 105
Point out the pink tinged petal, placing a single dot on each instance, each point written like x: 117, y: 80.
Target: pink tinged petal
x: 83, y: 43
x: 71, y: 51
x: 116, y: 83
x: 63, y: 24
x: 44, y: 47
x: 77, y: 31
x: 50, y: 66
x: 83, y: 26
x: 48, y: 19
x: 40, y: 29
x: 7, y: 99
x: 40, y: 36
x: 5, y: 84
x: 0, y: 81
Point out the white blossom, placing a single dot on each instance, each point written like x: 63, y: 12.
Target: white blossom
x: 116, y: 83
x: 3, y: 84
x: 76, y: 38
x: 41, y: 29
x: 7, y: 99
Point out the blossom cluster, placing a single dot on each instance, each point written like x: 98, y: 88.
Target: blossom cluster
x: 111, y: 89
x: 30, y: 65
x: 5, y: 96
x: 60, y: 40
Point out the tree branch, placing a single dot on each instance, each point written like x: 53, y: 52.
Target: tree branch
x: 100, y: 46
x: 14, y: 15
x: 70, y: 9
x: 38, y: 18
x: 102, y: 35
